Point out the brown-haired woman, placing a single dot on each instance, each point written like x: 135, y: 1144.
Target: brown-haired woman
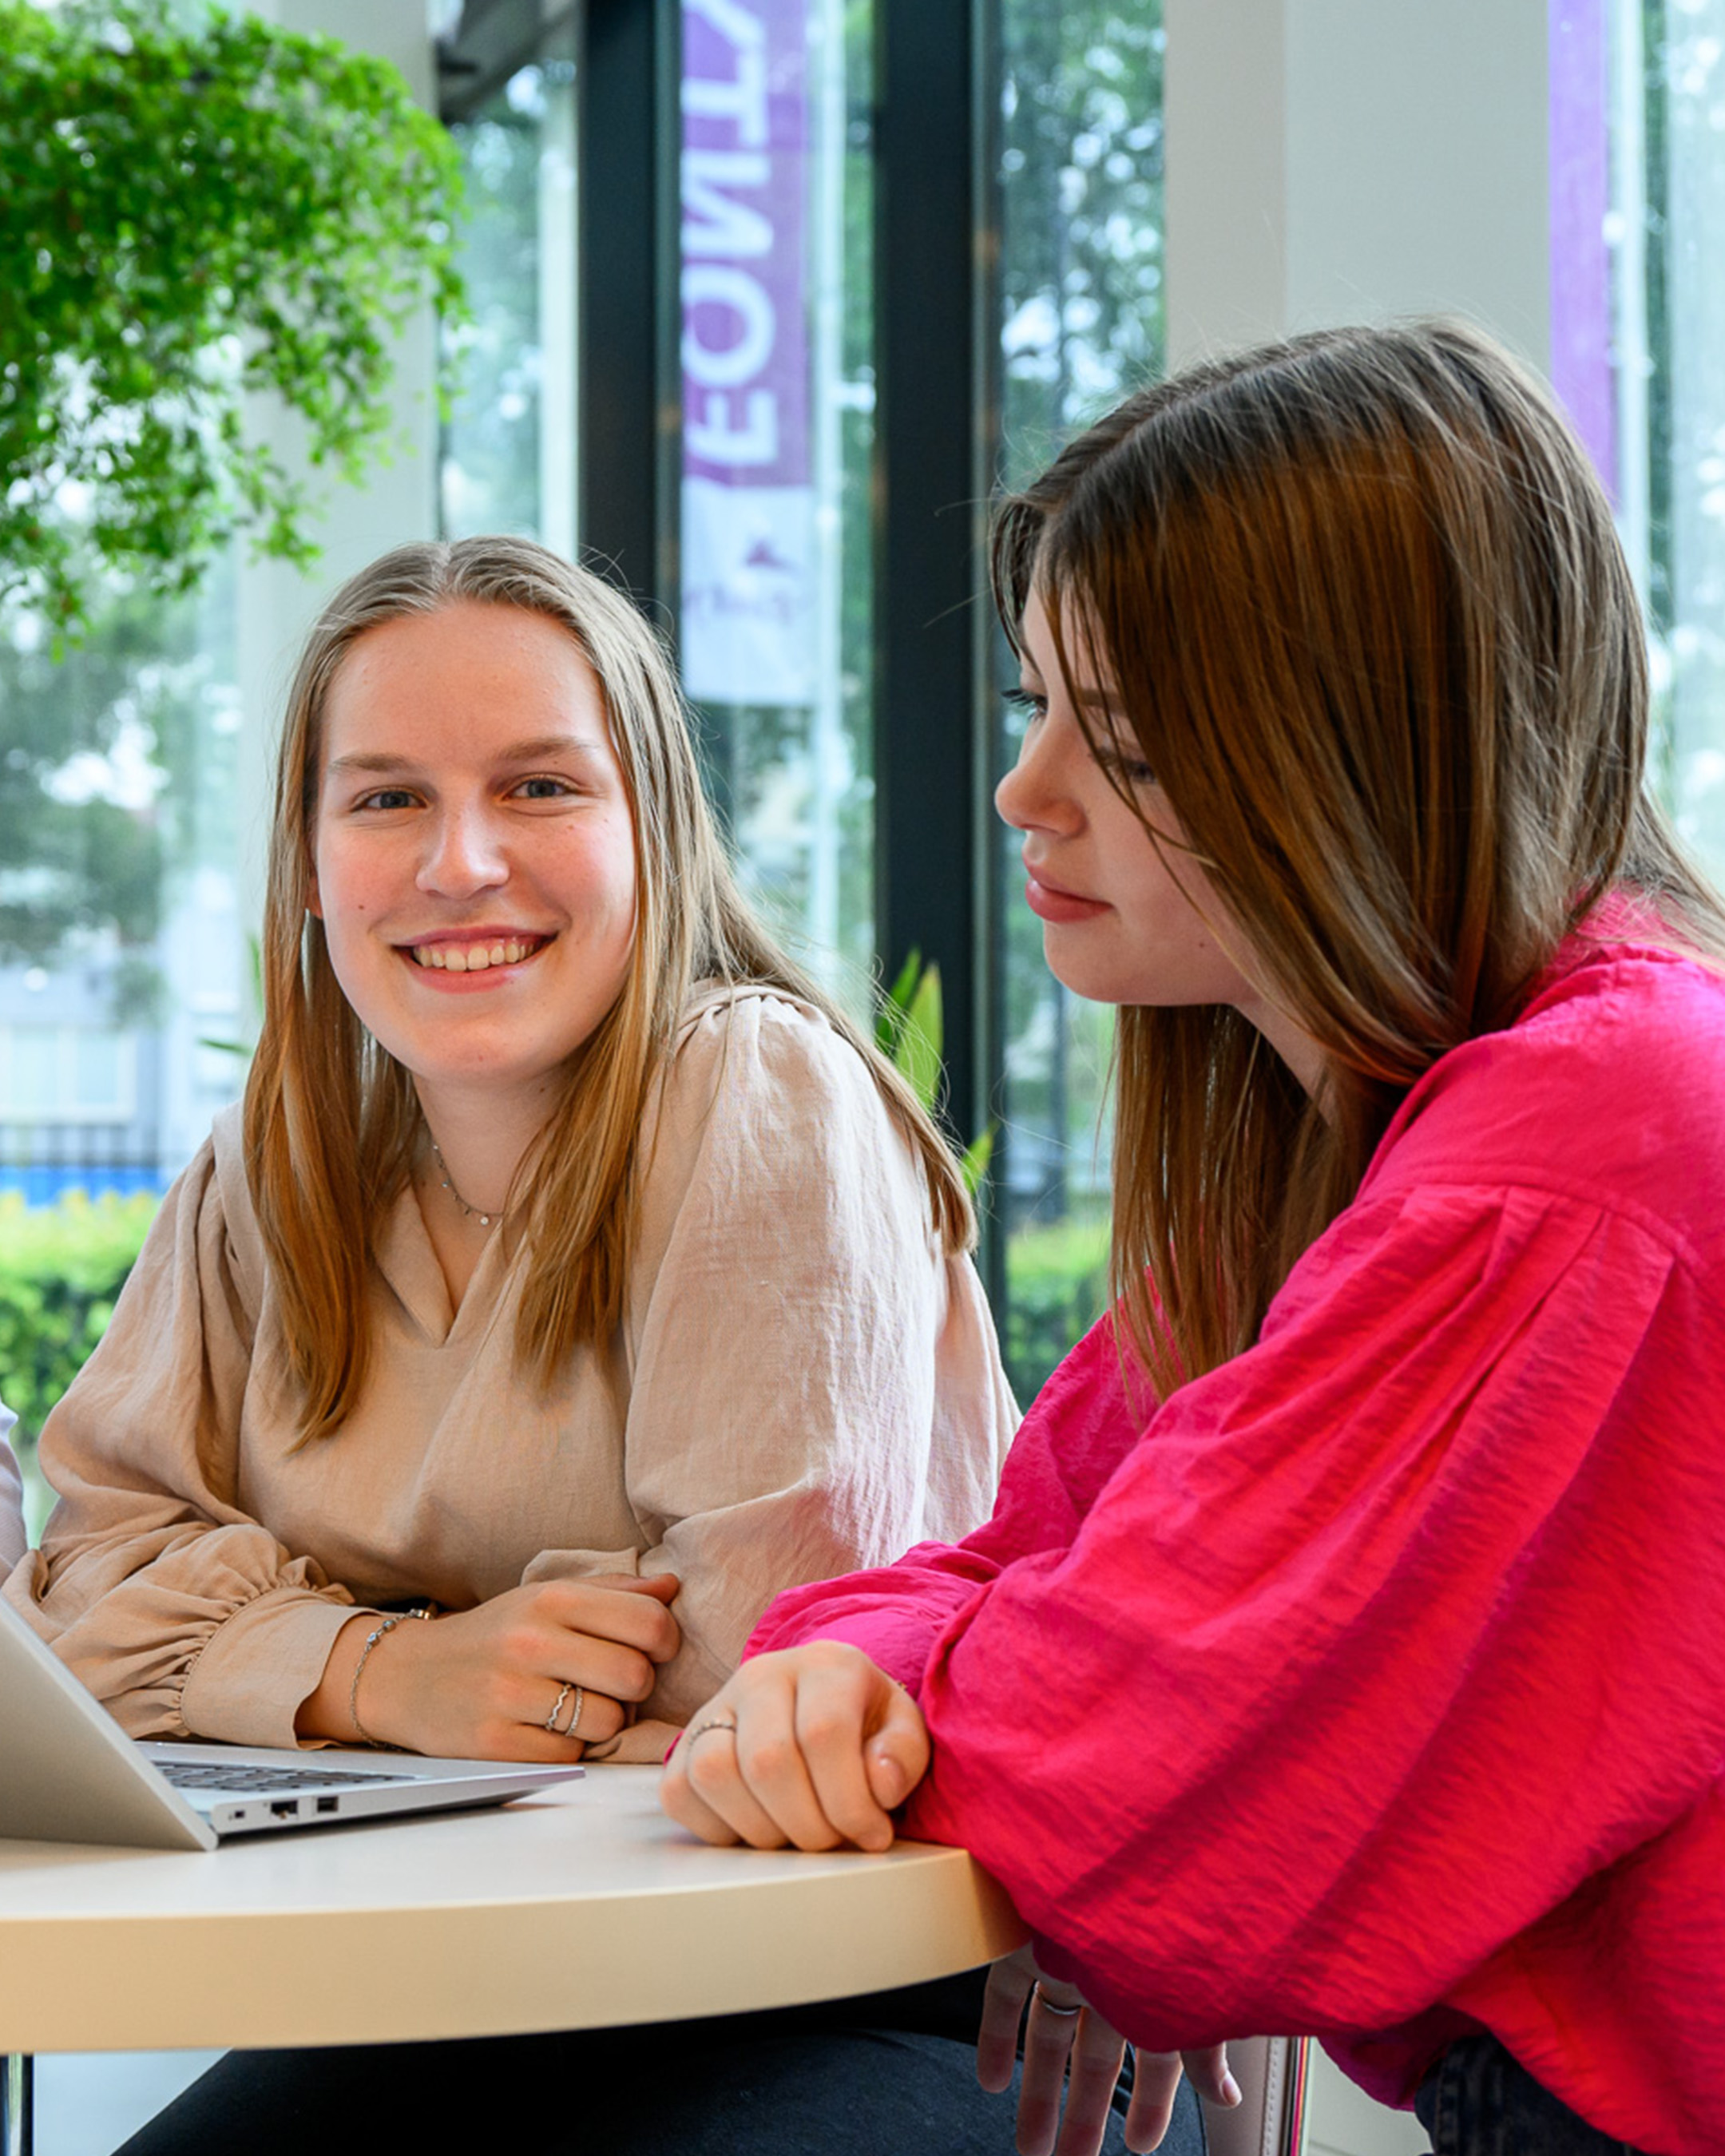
x: 1347, y: 1653
x: 577, y: 1271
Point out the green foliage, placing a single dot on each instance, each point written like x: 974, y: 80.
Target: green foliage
x: 909, y: 1029
x: 1081, y: 160
x: 61, y: 1267
x: 1058, y: 1288
x: 194, y: 211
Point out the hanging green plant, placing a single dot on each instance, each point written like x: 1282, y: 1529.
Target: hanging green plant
x: 194, y: 210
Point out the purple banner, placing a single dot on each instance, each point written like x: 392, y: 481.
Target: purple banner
x: 745, y: 195
x: 748, y: 533
x: 1580, y: 200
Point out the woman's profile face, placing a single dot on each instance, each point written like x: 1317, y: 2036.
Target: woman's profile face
x: 1120, y: 925
x: 474, y: 852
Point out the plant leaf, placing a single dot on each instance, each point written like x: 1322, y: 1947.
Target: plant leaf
x: 890, y: 1019
x: 973, y: 1168
x: 917, y: 1051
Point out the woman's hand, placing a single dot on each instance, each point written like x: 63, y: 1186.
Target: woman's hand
x: 482, y: 1683
x: 813, y: 1746
x: 1067, y: 2041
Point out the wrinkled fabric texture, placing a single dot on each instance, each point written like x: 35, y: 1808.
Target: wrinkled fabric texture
x: 803, y: 1380
x: 11, y: 1498
x: 1373, y: 1686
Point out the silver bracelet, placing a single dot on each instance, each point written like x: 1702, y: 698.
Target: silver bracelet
x: 388, y: 1624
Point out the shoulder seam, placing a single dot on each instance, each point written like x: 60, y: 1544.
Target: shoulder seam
x: 1642, y: 1218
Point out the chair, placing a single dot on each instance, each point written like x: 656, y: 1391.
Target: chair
x: 1270, y: 2119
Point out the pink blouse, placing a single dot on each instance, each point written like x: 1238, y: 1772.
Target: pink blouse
x: 1374, y: 1686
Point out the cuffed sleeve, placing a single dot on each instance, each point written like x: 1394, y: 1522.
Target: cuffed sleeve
x: 150, y: 1569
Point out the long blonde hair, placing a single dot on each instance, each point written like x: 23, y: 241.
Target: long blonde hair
x: 1369, y: 622
x: 332, y: 1118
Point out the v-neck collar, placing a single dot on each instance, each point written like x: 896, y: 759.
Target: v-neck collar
x: 409, y: 1266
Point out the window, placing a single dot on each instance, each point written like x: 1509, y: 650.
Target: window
x: 1638, y: 113
x: 122, y: 956
x: 774, y: 605
x: 508, y: 459
x: 1081, y: 316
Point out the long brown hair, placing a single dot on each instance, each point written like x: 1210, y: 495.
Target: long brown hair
x: 330, y: 1117
x: 1366, y: 614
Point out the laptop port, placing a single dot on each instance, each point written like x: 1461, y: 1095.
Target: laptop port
x: 328, y: 1804
x: 287, y: 1807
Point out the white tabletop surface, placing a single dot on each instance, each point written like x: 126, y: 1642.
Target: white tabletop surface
x: 580, y: 1907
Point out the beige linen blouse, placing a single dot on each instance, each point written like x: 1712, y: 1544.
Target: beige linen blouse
x: 802, y: 1385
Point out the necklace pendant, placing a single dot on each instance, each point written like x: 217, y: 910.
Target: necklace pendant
x: 470, y: 1212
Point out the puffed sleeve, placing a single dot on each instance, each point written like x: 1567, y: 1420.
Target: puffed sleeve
x: 1385, y: 1637
x: 12, y: 1500
x: 1080, y: 1426
x: 152, y: 1582
x: 813, y: 1384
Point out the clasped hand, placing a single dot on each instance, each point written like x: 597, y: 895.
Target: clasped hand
x: 815, y: 1747
x: 482, y: 1683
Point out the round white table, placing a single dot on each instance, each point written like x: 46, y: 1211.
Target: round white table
x: 581, y: 1907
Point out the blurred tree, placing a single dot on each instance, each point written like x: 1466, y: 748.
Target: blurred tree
x: 194, y: 209
x: 94, y: 758
x: 1081, y: 181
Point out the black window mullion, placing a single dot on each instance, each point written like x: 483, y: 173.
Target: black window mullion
x: 629, y: 427
x: 933, y: 452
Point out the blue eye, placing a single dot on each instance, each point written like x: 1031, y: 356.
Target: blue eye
x: 386, y: 797
x: 543, y: 789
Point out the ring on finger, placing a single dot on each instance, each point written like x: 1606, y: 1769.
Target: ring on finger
x: 1039, y: 1998
x: 705, y: 1728
x: 567, y: 1686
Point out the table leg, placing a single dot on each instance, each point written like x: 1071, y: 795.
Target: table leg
x: 17, y: 2103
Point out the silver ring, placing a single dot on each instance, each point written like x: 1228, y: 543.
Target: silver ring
x: 1064, y: 2013
x: 563, y: 1692
x: 701, y: 1729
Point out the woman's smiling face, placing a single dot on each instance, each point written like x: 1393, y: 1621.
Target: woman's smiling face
x: 474, y: 852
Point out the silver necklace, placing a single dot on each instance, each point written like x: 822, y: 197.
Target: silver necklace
x: 473, y: 1212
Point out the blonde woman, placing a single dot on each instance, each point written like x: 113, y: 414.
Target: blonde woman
x: 1346, y: 1652
x: 575, y: 1273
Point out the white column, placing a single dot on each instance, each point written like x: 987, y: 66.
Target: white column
x: 1337, y: 160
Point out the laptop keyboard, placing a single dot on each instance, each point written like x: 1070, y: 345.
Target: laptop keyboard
x: 263, y: 1781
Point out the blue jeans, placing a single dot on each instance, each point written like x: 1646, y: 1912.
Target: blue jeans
x: 1478, y: 2101
x: 890, y: 2074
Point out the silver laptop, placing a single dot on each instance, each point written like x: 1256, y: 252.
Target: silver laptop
x: 69, y: 1774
